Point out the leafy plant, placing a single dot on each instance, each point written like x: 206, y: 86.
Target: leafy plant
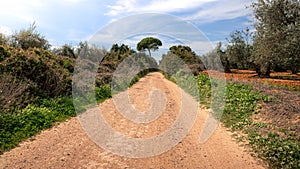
x: 20, y: 125
x: 279, y: 152
x: 241, y: 103
x: 103, y: 93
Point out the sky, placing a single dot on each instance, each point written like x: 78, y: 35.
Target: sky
x: 72, y: 21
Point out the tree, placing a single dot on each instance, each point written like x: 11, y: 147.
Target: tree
x: 278, y: 35
x: 217, y: 59
x: 149, y: 43
x: 29, y: 38
x: 223, y: 57
x: 81, y: 46
x: 112, y: 58
x: 239, y: 49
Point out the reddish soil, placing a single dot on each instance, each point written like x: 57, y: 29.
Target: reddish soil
x: 283, y: 79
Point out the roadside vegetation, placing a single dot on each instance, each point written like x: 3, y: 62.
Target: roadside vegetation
x: 245, y: 106
x: 262, y: 109
x: 36, y: 82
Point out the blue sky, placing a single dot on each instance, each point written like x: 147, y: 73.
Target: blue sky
x: 71, y: 21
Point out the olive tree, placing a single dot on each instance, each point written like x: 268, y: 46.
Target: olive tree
x: 278, y: 34
x: 239, y: 49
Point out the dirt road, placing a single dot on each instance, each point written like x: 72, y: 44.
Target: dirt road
x: 68, y: 146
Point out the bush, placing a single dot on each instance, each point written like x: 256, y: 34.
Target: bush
x: 4, y: 52
x: 3, y: 39
x: 241, y: 103
x: 29, y: 38
x: 15, y: 93
x: 20, y: 125
x: 103, y: 93
x: 51, y: 74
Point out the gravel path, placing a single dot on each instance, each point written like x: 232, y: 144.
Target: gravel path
x: 68, y: 146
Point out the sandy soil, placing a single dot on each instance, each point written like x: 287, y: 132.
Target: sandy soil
x: 68, y: 146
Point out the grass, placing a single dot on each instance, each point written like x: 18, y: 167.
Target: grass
x: 241, y: 103
x: 20, y: 125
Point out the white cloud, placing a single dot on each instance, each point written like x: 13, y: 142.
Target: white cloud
x: 134, y: 6
x: 31, y: 10
x: 206, y: 10
x: 122, y: 6
x: 71, y: 20
x: 221, y: 10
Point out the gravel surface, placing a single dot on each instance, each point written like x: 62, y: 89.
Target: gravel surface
x: 67, y: 145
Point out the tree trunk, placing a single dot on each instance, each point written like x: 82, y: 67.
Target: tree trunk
x: 227, y: 70
x: 149, y: 52
x: 294, y: 70
x: 257, y: 70
x: 265, y: 70
x: 227, y: 67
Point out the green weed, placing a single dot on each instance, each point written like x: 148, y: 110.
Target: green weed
x: 20, y: 125
x: 241, y: 103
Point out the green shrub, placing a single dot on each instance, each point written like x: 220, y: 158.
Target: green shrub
x: 15, y: 93
x: 204, y: 84
x: 48, y: 74
x: 103, y: 92
x: 20, y: 125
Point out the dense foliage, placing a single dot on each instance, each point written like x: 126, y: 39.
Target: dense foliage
x: 27, y: 74
x: 278, y: 34
x: 111, y: 61
x: 18, y: 126
x: 181, y: 57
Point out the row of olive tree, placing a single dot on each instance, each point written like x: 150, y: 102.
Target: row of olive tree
x: 237, y: 54
x: 275, y: 43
